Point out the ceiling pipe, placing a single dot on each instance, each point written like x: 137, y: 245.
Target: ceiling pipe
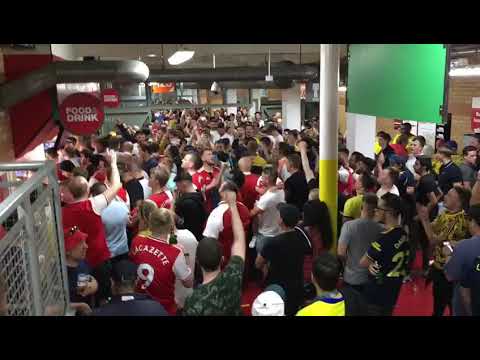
x: 241, y: 85
x: 61, y: 72
x: 284, y: 72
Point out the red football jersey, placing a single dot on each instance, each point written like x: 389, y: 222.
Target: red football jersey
x: 219, y: 226
x: 162, y: 199
x: 156, y: 269
x: 248, y: 192
x: 81, y: 214
x: 203, y: 178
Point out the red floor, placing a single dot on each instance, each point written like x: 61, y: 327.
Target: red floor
x: 415, y: 299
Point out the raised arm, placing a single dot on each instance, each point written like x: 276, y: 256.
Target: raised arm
x: 309, y: 175
x: 238, y: 246
x: 115, y: 182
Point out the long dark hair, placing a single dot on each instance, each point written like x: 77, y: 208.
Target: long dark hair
x: 316, y: 215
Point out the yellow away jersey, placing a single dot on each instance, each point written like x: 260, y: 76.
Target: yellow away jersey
x: 324, y: 307
x: 449, y: 227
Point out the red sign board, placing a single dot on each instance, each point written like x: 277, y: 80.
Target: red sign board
x: 111, y: 98
x: 476, y: 115
x: 82, y: 113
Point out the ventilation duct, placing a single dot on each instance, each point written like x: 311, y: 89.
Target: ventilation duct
x: 284, y: 72
x: 16, y: 91
x: 284, y: 84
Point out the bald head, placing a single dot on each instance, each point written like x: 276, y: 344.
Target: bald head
x: 127, y: 147
x: 245, y: 164
x: 78, y: 187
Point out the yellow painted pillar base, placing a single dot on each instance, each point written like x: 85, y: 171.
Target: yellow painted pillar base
x: 328, y: 189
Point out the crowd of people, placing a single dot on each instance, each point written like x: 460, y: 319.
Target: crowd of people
x: 178, y: 217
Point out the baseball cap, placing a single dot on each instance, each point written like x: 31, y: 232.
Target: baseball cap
x: 73, y: 237
x: 451, y: 144
x: 124, y: 270
x: 289, y: 214
x: 271, y: 302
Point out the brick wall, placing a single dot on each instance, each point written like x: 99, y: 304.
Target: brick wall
x: 460, y: 105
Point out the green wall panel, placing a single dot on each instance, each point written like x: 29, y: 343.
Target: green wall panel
x: 398, y: 81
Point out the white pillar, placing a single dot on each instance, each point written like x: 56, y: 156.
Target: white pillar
x: 291, y: 108
x: 361, y: 133
x: 328, y: 167
x: 231, y: 98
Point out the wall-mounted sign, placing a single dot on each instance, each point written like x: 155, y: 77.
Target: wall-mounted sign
x: 163, y: 88
x: 476, y: 114
x: 82, y: 113
x: 111, y: 98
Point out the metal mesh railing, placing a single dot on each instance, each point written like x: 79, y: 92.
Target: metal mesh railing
x: 32, y: 261
x: 15, y: 268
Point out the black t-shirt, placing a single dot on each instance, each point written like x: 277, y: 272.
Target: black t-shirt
x: 312, y: 184
x: 72, y: 273
x: 426, y: 185
x: 449, y: 174
x: 135, y: 192
x: 296, y: 190
x: 191, y: 208
x: 391, y: 252
x: 131, y: 305
x: 285, y: 254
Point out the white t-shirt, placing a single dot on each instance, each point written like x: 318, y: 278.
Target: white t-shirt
x: 278, y: 139
x: 147, y: 190
x: 215, y: 136
x: 227, y: 136
x: 136, y: 149
x: 393, y: 190
x: 268, y: 220
x: 189, y: 244
x: 410, y: 162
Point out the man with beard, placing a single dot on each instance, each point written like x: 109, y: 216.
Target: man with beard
x: 207, y: 178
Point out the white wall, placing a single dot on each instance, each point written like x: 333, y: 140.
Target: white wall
x: 64, y: 51
x: 361, y: 133
x: 291, y: 108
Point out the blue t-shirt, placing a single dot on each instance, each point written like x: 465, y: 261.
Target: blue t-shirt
x: 115, y: 219
x: 461, y: 269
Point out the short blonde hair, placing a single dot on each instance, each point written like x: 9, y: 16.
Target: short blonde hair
x: 161, y: 174
x: 161, y: 221
x: 145, y: 209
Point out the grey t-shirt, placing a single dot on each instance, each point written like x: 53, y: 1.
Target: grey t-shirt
x: 357, y: 235
x: 468, y: 173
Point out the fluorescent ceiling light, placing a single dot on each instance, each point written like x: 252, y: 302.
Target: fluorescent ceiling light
x: 215, y: 87
x: 180, y: 57
x: 152, y: 55
x: 465, y: 71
